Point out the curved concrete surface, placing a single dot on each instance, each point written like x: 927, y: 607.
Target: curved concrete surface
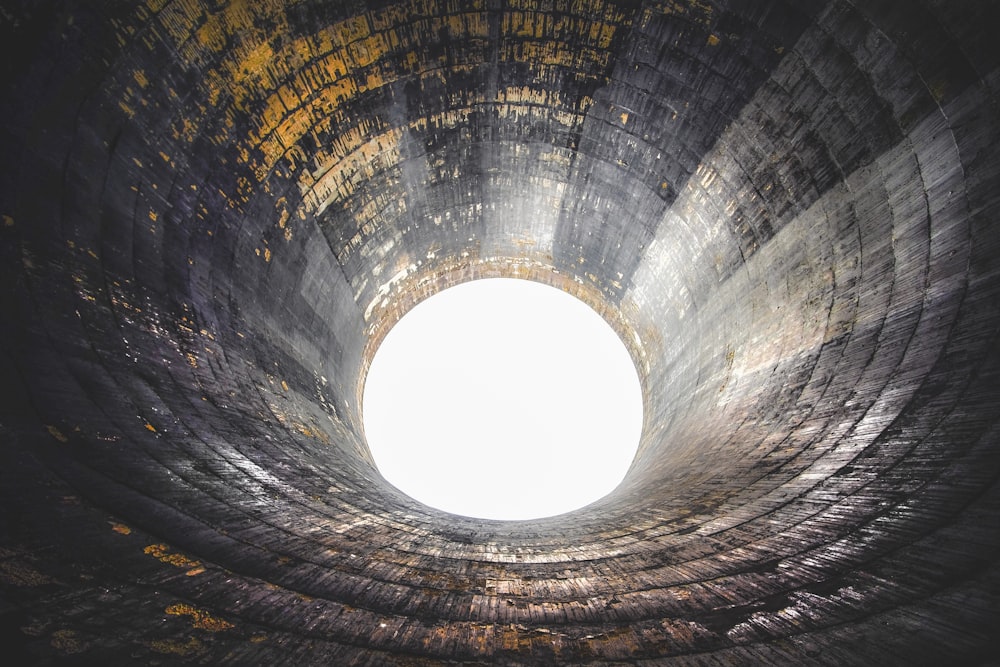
x: 212, y: 212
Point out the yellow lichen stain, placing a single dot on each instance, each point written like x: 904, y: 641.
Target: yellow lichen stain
x: 211, y: 36
x: 351, y: 29
x: 15, y: 572
x: 56, y: 433
x: 713, y: 40
x: 267, y: 254
x: 513, y: 640
x: 129, y: 111
x: 938, y: 89
x: 686, y: 7
x: 140, y: 78
x: 8, y: 221
x: 185, y: 128
x: 284, y: 385
x: 150, y: 427
x: 256, y: 639
x: 200, y: 618
x: 316, y: 433
x: 283, y: 217
x: 153, y: 215
x: 623, y: 117
x: 194, y: 571
x: 253, y: 64
x: 120, y: 528
x: 558, y: 54
x: 156, y: 5
x: 369, y: 50
x: 602, y: 34
x: 522, y: 24
x: 176, y: 647
x: 161, y: 552
x: 67, y: 642
x: 178, y: 19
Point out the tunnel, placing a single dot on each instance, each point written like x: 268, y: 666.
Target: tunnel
x: 213, y: 211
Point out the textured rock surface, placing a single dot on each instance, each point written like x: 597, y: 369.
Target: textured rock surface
x: 211, y: 213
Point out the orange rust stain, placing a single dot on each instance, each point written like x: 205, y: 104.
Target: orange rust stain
x: 120, y: 528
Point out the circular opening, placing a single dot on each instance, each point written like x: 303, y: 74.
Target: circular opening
x: 503, y: 399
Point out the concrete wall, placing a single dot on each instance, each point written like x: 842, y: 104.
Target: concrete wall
x: 212, y: 212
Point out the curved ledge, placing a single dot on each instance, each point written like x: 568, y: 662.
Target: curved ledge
x: 212, y: 212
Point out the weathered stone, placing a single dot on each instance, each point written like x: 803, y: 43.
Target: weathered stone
x: 211, y: 213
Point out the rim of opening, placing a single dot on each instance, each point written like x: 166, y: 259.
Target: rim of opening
x: 387, y: 310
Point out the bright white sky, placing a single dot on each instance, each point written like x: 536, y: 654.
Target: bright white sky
x: 503, y: 399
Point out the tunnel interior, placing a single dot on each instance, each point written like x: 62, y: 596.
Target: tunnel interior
x: 213, y: 212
